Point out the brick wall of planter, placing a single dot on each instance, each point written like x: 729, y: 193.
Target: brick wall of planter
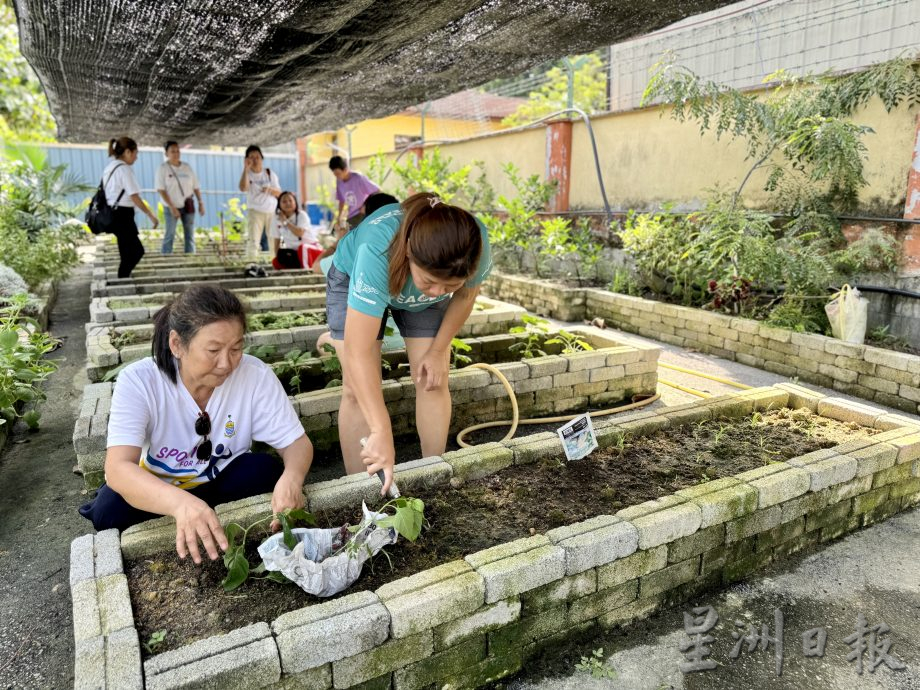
x: 129, y: 287
x: 311, y: 296
x: 473, y: 621
x: 543, y: 386
x: 884, y: 376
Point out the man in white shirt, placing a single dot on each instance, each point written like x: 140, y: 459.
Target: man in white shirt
x: 176, y: 183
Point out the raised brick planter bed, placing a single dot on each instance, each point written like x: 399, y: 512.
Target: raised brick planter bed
x: 543, y: 386
x: 476, y: 620
x: 883, y: 376
x: 102, y: 355
x: 109, y: 310
x: 92, y: 421
x: 129, y: 287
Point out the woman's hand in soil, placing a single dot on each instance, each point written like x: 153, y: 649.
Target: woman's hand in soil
x: 288, y: 494
x: 196, y: 521
x: 377, y: 454
x: 433, y: 368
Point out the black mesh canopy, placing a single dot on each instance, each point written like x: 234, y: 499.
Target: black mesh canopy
x: 230, y: 72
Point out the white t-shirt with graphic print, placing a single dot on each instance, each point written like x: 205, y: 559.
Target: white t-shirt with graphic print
x: 158, y: 416
x: 256, y: 198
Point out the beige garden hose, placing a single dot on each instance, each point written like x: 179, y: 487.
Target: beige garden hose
x: 515, y: 420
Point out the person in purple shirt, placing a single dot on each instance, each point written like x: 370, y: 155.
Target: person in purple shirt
x: 351, y: 188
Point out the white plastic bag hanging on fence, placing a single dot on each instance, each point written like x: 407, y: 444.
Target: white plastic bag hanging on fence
x: 848, y: 312
x: 322, y: 563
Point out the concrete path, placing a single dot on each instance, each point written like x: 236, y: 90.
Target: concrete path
x: 39, y: 496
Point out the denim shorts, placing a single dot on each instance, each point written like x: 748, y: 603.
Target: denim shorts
x: 411, y: 324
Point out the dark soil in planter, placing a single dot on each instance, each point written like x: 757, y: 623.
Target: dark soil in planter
x: 318, y: 373
x: 187, y: 601
x: 892, y: 343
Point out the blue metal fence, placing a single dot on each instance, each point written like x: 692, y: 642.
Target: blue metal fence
x: 218, y: 172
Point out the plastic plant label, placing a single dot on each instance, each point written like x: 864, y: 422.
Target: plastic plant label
x: 578, y: 437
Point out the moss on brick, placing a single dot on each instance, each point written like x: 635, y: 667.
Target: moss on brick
x: 703, y: 540
x: 822, y: 518
x: 512, y: 638
x: 869, y: 500
x: 451, y: 662
x: 795, y: 545
x: 778, y: 535
x: 883, y: 511
x: 599, y: 603
x: 554, y: 593
x: 669, y: 578
x: 738, y: 570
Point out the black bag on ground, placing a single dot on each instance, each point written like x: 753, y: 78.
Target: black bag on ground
x: 100, y: 216
x: 288, y: 258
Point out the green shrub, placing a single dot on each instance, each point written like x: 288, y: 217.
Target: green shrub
x: 38, y: 233
x: 22, y: 365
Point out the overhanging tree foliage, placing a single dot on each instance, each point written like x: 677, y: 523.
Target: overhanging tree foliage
x: 24, y: 113
x: 589, y: 91
x: 801, y: 126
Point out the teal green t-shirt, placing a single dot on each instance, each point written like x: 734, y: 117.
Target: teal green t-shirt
x: 362, y: 255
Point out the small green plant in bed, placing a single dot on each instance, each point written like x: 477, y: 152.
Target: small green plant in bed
x: 289, y: 369
x: 570, y: 343
x: 880, y: 337
x: 536, y: 331
x: 535, y: 328
x: 120, y: 339
x: 457, y: 357
x: 275, y: 320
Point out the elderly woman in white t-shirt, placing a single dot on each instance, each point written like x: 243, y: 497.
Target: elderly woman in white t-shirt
x: 182, y: 423
x: 123, y: 194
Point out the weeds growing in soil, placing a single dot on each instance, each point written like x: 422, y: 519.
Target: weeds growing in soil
x: 596, y: 666
x: 154, y: 641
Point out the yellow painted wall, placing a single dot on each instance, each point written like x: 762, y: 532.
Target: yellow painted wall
x: 372, y: 136
x: 648, y: 159
x: 526, y: 149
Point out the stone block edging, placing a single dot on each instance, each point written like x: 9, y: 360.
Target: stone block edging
x: 466, y: 622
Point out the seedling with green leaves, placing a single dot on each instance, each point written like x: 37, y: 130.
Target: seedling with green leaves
x: 23, y: 368
x: 238, y: 567
x: 155, y: 640
x: 570, y: 342
x: 536, y: 329
x: 407, y: 518
x: 595, y: 665
x: 291, y: 366
x: 457, y: 358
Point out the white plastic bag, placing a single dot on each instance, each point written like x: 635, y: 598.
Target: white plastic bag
x: 311, y: 564
x: 848, y: 312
